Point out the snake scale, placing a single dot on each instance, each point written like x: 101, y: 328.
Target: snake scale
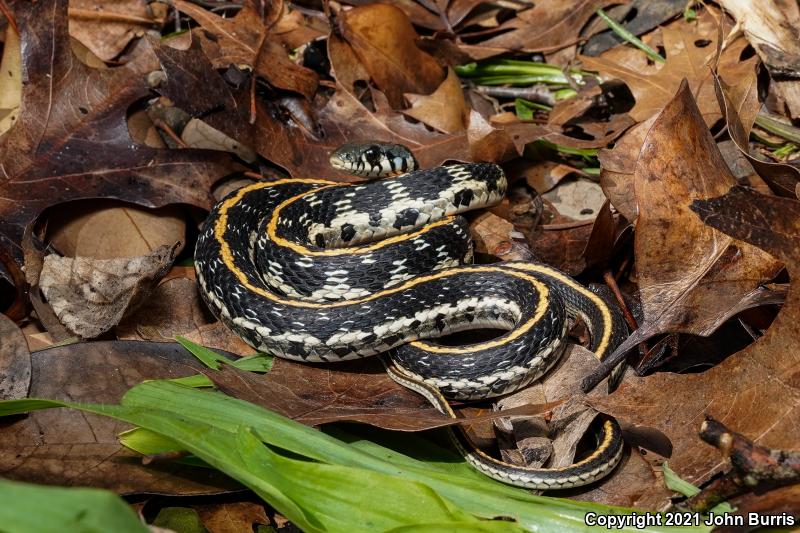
x: 318, y: 271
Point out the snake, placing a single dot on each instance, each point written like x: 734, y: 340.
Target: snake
x: 320, y: 271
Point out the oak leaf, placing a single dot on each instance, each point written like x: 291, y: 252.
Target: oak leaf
x: 72, y: 142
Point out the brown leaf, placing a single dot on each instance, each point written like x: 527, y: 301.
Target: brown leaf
x: 69, y: 447
x: 56, y: 153
x: 549, y: 26
x: 231, y: 517
x: 245, y: 39
x: 90, y: 296
x: 15, y: 361
x: 740, y: 106
x: 384, y: 40
x: 358, y: 391
x: 175, y: 308
x: 106, y: 28
x: 690, y: 275
x: 771, y: 26
x: 634, y: 483
x: 690, y: 51
x: 445, y: 109
x: 617, y: 166
x: 105, y: 229
x: 755, y: 390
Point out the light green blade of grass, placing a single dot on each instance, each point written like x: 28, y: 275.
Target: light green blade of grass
x: 207, y: 425
x: 259, y: 362
x: 681, y: 486
x: 27, y: 508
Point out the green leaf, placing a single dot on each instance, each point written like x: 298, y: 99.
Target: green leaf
x: 681, y: 486
x: 524, y: 108
x: 28, y: 508
x: 183, y: 519
x: 208, y: 357
x: 322, y: 483
x: 258, y: 362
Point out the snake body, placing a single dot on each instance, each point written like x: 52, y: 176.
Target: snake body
x: 316, y: 271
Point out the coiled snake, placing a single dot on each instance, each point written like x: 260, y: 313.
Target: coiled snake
x: 318, y: 271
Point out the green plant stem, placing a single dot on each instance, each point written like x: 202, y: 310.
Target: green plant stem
x: 777, y: 127
x: 629, y: 37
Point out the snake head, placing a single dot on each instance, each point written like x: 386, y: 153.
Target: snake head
x: 373, y: 160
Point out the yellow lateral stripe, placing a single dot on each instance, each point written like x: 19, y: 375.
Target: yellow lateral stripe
x: 608, y: 436
x: 272, y: 228
x: 605, y: 312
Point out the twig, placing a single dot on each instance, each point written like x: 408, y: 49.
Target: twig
x: 608, y: 277
x: 166, y: 128
x: 754, y: 467
x: 108, y: 16
x: 537, y: 93
x: 6, y: 11
x: 253, y: 76
x: 566, y: 225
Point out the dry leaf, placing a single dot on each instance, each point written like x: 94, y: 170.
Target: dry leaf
x: 104, y: 229
x: 90, y: 296
x: 384, y: 40
x: 578, y: 199
x: 175, y: 308
x: 494, y: 235
x: 73, y: 448
x: 755, y: 390
x: 690, y: 51
x: 690, y: 275
x: 245, y: 40
x: 445, y: 109
x: 106, y: 28
x: 740, y: 107
x: 71, y: 141
x: 15, y: 361
x: 772, y: 27
x: 10, y: 81
x: 548, y: 26
x: 232, y: 517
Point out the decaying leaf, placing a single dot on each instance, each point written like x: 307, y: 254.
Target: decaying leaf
x: 90, y: 296
x: 382, y: 37
x: 771, y: 26
x: 740, y: 107
x: 67, y: 447
x: 691, y: 49
x: 175, y: 308
x: 231, y: 517
x: 357, y: 391
x: 550, y: 25
x: 690, y: 275
x: 71, y: 140
x: 106, y: 28
x: 11, y: 81
x: 755, y: 390
x: 105, y: 229
x: 245, y: 40
x: 15, y: 361
x: 578, y: 199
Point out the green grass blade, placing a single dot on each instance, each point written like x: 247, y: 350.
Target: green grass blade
x: 629, y: 37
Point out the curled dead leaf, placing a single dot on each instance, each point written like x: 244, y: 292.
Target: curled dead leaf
x: 90, y: 296
x: 756, y: 389
x: 384, y: 40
